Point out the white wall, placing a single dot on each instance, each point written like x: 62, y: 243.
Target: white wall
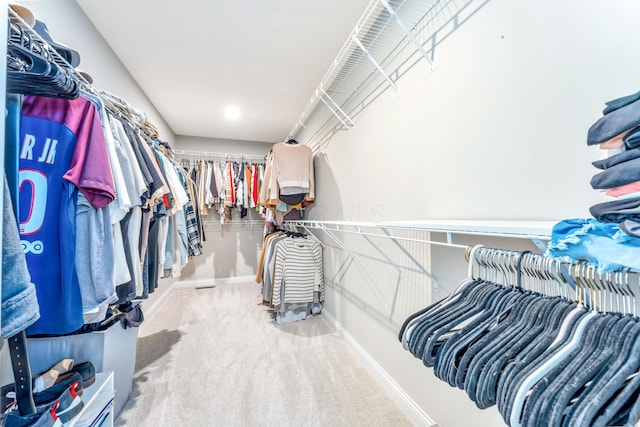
x: 496, y: 131
x: 68, y: 24
x: 217, y: 145
x: 230, y: 251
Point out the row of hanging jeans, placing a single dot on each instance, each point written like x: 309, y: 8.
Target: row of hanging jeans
x: 542, y: 360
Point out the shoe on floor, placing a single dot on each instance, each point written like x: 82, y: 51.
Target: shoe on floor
x: 46, y: 418
x: 86, y: 370
x: 48, y: 378
x: 67, y: 393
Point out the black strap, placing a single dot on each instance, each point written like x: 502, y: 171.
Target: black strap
x: 21, y: 373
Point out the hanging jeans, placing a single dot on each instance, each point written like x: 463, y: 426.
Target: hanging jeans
x: 19, y: 302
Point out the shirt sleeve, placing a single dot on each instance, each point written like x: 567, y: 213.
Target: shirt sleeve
x: 90, y: 170
x: 278, y: 277
x: 312, y: 189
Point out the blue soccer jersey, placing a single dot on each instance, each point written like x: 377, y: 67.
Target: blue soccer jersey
x: 62, y: 151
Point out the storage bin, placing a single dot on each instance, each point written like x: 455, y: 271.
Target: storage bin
x: 111, y: 350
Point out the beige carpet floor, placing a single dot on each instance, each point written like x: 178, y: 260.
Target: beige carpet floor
x: 215, y: 357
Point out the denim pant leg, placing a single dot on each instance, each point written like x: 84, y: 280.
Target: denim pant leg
x: 19, y: 302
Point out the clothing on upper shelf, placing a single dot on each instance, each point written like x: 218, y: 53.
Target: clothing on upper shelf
x: 619, y: 128
x: 289, y: 182
x: 604, y: 245
x: 290, y: 272
x: 614, y: 123
x: 292, y: 172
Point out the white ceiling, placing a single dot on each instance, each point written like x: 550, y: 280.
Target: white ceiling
x: 193, y: 58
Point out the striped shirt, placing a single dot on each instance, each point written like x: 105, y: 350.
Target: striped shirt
x: 298, y: 271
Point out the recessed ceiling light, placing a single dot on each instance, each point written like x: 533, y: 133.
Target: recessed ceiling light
x: 232, y: 113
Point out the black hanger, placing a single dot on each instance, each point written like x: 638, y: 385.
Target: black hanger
x: 292, y: 141
x: 33, y: 70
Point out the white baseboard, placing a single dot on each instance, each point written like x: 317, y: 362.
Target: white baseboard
x: 187, y: 284
x: 413, y: 411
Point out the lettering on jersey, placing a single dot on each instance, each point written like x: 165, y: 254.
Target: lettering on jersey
x: 27, y: 147
x: 37, y: 184
x: 36, y: 247
x: 48, y: 153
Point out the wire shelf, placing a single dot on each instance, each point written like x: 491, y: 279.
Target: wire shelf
x: 381, y: 47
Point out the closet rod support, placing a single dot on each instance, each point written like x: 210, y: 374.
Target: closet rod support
x: 404, y: 239
x: 417, y: 263
x: 375, y: 63
x: 335, y: 239
x: 409, y: 34
x: 347, y: 262
x: 318, y: 240
x: 335, y: 113
x: 540, y: 244
x: 324, y: 92
x: 381, y: 252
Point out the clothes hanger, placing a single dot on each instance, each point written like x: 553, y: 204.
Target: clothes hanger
x: 292, y: 141
x: 477, y: 308
x: 527, y: 316
x: 409, y: 323
x: 39, y: 74
x: 519, y: 380
x: 588, y: 369
x: 605, y: 387
x: 533, y: 377
x: 624, y: 415
x: 466, y: 349
x: 529, y: 342
x: 474, y: 325
x: 560, y: 384
x: 571, y: 330
x: 466, y: 300
x: 444, y: 361
x: 55, y: 79
x: 533, y: 351
x: 471, y: 333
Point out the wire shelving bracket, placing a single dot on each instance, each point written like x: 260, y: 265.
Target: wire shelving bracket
x: 538, y: 231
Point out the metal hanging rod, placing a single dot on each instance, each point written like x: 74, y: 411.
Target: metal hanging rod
x: 392, y: 231
x: 234, y: 225
x: 530, y: 271
x: 235, y: 221
x: 387, y: 233
x: 189, y: 154
x: 529, y: 230
x: 604, y: 292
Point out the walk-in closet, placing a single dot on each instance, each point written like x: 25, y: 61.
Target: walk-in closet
x: 324, y: 214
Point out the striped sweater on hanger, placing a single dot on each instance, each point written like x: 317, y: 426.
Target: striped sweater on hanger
x: 298, y: 271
